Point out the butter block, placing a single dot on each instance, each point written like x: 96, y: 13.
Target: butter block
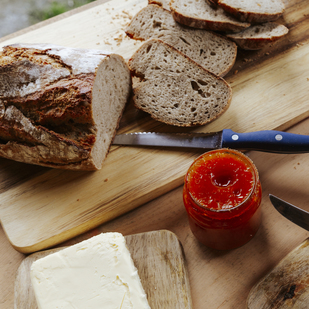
x: 96, y: 273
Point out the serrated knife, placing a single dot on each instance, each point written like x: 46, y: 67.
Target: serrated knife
x: 291, y: 212
x: 267, y: 141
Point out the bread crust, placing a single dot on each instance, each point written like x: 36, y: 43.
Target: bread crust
x: 46, y: 105
x: 250, y: 17
x: 206, y: 24
x: 139, y: 87
x: 200, y: 23
x: 163, y: 3
x: 259, y: 36
x: 211, y: 50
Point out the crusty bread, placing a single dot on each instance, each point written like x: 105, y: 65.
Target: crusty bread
x: 199, y: 14
x: 258, y: 36
x: 174, y: 89
x: 254, y: 11
x: 163, y: 3
x: 213, y: 52
x: 60, y: 106
x: 212, y: 3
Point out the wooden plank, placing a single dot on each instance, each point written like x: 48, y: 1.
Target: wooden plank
x: 286, y: 286
x: 217, y: 279
x: 270, y: 91
x: 160, y: 263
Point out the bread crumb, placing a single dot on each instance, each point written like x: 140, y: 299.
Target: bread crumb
x: 107, y: 42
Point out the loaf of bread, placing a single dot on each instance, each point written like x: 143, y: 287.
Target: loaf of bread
x: 258, y: 36
x: 174, y: 89
x: 254, y: 11
x: 60, y: 106
x: 200, y: 14
x: 213, y: 52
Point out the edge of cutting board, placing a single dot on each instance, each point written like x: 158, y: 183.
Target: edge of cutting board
x: 270, y: 91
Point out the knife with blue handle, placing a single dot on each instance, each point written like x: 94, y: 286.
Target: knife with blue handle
x: 266, y: 141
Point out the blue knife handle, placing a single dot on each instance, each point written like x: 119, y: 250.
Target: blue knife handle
x: 267, y: 141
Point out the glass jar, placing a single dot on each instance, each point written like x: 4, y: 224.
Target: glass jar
x: 222, y: 196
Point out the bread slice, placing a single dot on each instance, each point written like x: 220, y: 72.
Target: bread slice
x: 212, y: 3
x: 174, y: 89
x: 163, y: 3
x: 59, y: 106
x: 199, y: 14
x: 258, y: 36
x: 214, y: 52
x: 254, y: 11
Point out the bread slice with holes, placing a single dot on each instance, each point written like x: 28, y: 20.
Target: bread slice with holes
x: 213, y: 52
x: 163, y: 3
x: 174, y: 89
x: 200, y: 14
x: 59, y: 106
x: 259, y: 36
x: 254, y: 11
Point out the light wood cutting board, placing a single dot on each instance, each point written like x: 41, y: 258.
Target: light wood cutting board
x: 158, y: 258
x: 42, y: 207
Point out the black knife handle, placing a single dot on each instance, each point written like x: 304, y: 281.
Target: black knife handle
x: 267, y: 141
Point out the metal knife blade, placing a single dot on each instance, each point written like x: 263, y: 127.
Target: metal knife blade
x: 267, y: 141
x: 194, y: 140
x: 291, y: 212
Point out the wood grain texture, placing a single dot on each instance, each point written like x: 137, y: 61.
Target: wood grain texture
x: 218, y: 280
x: 158, y: 258
x: 286, y: 286
x: 40, y: 208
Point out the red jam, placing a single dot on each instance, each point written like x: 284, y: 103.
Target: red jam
x: 222, y: 194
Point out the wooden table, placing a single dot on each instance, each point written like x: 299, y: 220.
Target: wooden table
x: 218, y: 279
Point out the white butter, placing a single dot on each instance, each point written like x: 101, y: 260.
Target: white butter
x: 96, y: 273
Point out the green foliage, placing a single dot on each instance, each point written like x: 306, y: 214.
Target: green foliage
x: 55, y: 8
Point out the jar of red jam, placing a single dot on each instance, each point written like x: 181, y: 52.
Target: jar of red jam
x: 222, y: 195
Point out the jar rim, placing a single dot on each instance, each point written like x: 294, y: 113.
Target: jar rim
x: 248, y: 162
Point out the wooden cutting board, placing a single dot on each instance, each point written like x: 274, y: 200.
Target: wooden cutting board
x: 42, y: 207
x: 158, y: 258
x: 287, y: 285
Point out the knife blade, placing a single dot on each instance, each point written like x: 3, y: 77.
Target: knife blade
x: 266, y: 141
x: 291, y: 212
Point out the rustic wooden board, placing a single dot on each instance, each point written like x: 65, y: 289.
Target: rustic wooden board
x: 286, y: 286
x: 161, y: 266
x: 42, y: 207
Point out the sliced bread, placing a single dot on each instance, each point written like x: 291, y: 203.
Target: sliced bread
x: 213, y: 52
x: 199, y: 14
x: 163, y: 3
x: 174, y: 89
x: 258, y: 36
x: 254, y: 11
x: 212, y: 3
